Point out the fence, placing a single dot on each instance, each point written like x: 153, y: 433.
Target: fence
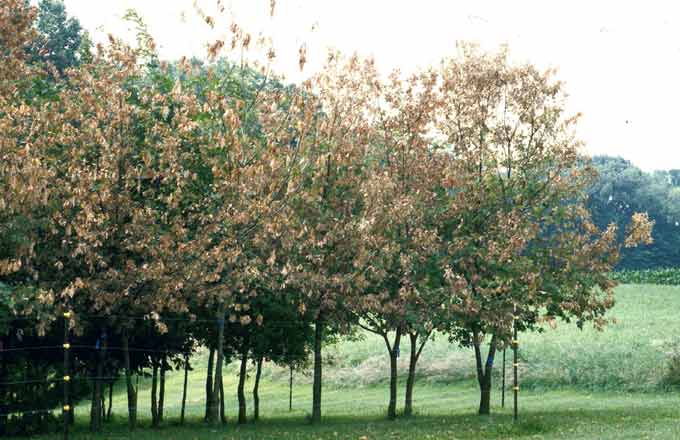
x: 66, y: 377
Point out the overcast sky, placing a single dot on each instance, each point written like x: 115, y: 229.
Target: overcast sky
x: 619, y: 60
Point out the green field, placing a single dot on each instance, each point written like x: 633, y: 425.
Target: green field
x: 575, y: 384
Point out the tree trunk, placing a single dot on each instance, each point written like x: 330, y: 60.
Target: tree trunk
x: 240, y: 391
x: 394, y: 353
x: 209, y: 383
x: 223, y: 415
x: 161, y: 394
x: 316, y: 386
x: 96, y: 401
x: 503, y: 383
x: 213, y: 414
x: 96, y: 409
x: 410, y: 381
x: 485, y: 398
x: 484, y: 375
x: 108, y: 415
x: 290, y: 390
x: 416, y: 350
x: 184, y: 388
x: 131, y: 392
x: 154, y: 395
x: 256, y: 391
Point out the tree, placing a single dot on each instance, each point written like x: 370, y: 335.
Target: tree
x: 518, y: 232
x: 26, y: 203
x: 319, y: 246
x: 59, y: 38
x: 250, y: 135
x: 398, y: 225
x: 115, y: 153
x: 23, y: 179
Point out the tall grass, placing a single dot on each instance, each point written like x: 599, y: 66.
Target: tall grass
x: 634, y: 354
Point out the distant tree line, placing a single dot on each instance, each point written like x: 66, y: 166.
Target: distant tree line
x: 622, y: 189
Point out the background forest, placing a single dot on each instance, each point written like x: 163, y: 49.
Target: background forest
x: 621, y: 189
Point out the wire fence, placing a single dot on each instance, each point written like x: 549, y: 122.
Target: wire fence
x: 72, y: 383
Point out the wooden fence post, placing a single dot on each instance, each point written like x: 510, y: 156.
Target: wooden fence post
x: 67, y: 378
x: 515, y: 364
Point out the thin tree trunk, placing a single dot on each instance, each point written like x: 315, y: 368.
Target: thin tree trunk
x: 316, y: 386
x: 154, y: 395
x: 223, y: 415
x: 290, y: 390
x: 416, y: 350
x: 96, y: 401
x: 408, y: 399
x: 394, y: 352
x: 131, y: 392
x: 96, y: 409
x: 209, y: 383
x: 184, y: 388
x: 240, y: 391
x: 484, y: 375
x: 503, y: 382
x: 213, y: 414
x: 256, y: 391
x: 161, y: 397
x: 485, y: 397
x: 108, y: 415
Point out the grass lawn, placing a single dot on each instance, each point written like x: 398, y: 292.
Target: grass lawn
x: 575, y: 384
x: 446, y: 411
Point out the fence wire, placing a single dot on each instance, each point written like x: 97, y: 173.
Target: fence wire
x: 66, y: 410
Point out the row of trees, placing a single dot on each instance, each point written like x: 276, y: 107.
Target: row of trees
x: 176, y: 205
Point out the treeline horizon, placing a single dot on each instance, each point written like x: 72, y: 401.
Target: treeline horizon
x: 623, y: 188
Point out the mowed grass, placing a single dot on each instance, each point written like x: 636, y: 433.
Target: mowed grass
x: 575, y: 384
x: 443, y: 412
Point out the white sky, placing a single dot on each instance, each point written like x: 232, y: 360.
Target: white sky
x: 620, y: 60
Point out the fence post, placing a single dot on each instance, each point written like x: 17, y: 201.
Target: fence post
x: 67, y: 378
x: 515, y: 364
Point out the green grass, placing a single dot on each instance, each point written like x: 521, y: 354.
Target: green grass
x: 446, y: 411
x: 575, y: 384
x: 630, y: 355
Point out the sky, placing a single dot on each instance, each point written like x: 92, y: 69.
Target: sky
x: 619, y: 60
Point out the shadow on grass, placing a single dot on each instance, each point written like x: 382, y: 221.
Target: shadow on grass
x: 461, y: 426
